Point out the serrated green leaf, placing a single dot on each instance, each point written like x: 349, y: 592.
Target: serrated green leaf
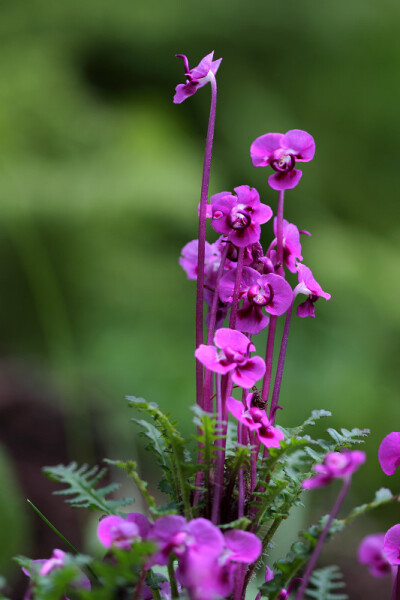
x: 325, y: 584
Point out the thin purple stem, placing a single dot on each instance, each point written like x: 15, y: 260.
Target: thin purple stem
x: 396, y: 586
x: 202, y: 237
x: 236, y: 291
x: 317, y: 550
x: 241, y: 440
x: 211, y: 329
x: 281, y: 362
x: 269, y: 356
x: 219, y: 471
x: 279, y: 234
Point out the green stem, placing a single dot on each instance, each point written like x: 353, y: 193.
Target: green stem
x: 172, y: 580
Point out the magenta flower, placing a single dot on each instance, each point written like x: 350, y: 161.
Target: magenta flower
x: 256, y: 420
x: 291, y: 245
x: 371, y: 552
x: 281, y: 152
x: 336, y: 465
x: 188, y: 260
x: 197, y: 77
x: 231, y: 354
x: 122, y: 532
x: 271, y: 292
x: 391, y: 545
x: 239, y: 216
x: 242, y: 546
x: 310, y: 287
x: 389, y: 453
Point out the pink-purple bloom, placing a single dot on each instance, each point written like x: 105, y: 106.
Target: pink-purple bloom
x: 389, y: 453
x: 335, y: 465
x: 271, y: 292
x: 120, y: 532
x: 255, y: 419
x: 239, y: 216
x: 310, y: 287
x: 196, y: 77
x: 282, y: 152
x: 189, y: 258
x: 391, y: 545
x: 371, y: 552
x: 291, y: 245
x: 231, y: 354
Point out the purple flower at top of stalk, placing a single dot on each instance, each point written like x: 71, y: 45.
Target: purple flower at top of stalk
x: 371, y: 552
x: 336, y: 465
x: 391, y: 545
x: 231, y: 354
x: 120, y: 532
x: 310, y: 287
x: 389, y: 453
x: 291, y: 245
x: 239, y: 216
x: 196, y: 77
x: 282, y: 152
x: 271, y: 292
x: 256, y: 420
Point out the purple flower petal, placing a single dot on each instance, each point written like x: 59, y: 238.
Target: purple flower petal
x: 245, y: 547
x: 116, y: 531
x: 230, y: 338
x: 141, y: 521
x: 301, y: 143
x: 262, y: 149
x: 389, y: 453
x: 306, y: 309
x: 371, y: 553
x: 251, y: 319
x: 268, y: 435
x: 282, y: 293
x: 285, y: 180
x: 209, y: 357
x: 203, y: 67
x: 248, y: 374
x: 207, y: 537
x: 391, y: 545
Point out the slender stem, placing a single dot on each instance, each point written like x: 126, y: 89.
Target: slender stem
x: 279, y: 234
x: 172, y: 580
x: 269, y: 356
x: 281, y: 362
x: 396, y: 586
x: 236, y: 291
x: 140, y: 583
x: 53, y: 528
x: 219, y: 472
x: 211, y: 328
x: 241, y: 433
x: 314, y: 557
x: 202, y: 236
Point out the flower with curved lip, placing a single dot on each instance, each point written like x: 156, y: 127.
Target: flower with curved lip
x: 121, y: 532
x: 231, y: 354
x: 310, y: 287
x: 389, y: 453
x: 239, y: 216
x: 391, y: 545
x: 196, y: 77
x: 336, y: 465
x: 282, y: 152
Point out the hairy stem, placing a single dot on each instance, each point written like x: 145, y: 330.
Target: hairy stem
x: 172, y: 580
x: 202, y: 237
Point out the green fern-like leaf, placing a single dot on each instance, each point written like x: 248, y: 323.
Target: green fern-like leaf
x: 81, y: 484
x: 326, y: 584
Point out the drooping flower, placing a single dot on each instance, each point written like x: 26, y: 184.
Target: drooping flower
x: 231, y: 354
x: 196, y: 77
x: 371, y: 552
x: 336, y: 465
x: 239, y: 216
x: 282, y: 152
x: 291, y: 245
x: 389, y: 453
x: 122, y: 532
x: 256, y: 420
x: 391, y: 545
x: 271, y: 292
x: 310, y: 287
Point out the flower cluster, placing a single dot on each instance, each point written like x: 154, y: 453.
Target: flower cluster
x: 207, y: 558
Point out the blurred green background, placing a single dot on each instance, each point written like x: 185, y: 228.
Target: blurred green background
x: 99, y: 184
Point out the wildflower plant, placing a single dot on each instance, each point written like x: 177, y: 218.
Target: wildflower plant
x: 228, y: 495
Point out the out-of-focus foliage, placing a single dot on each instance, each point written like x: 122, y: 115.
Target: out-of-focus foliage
x: 99, y: 185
